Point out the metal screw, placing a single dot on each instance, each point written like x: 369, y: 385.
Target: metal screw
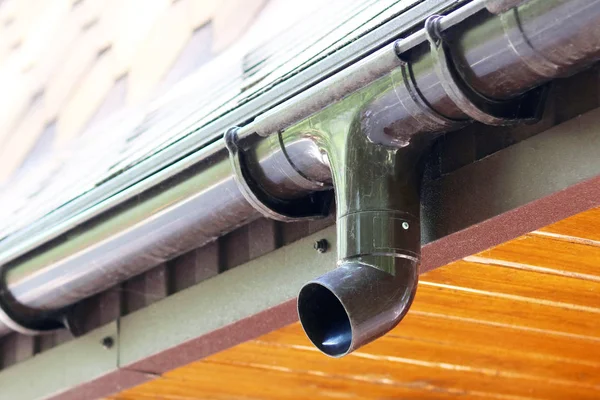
x: 405, y: 225
x: 321, y: 245
x: 108, y: 342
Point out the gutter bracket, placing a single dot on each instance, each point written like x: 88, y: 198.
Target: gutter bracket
x: 312, y: 206
x: 427, y: 116
x: 527, y: 107
x: 47, y: 324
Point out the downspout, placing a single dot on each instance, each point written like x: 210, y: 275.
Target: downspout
x: 376, y: 179
x: 366, y: 130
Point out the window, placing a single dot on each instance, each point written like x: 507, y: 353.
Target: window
x: 195, y: 53
x: 114, y: 101
x: 43, y: 144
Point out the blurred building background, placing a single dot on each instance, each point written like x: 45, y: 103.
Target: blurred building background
x: 66, y: 65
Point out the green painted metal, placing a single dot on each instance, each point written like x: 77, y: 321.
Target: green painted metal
x: 61, y: 369
x: 236, y: 294
x: 253, y: 287
x: 373, y: 171
x: 544, y: 165
x: 376, y: 174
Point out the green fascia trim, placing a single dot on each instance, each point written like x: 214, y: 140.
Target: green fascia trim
x: 246, y: 290
x: 62, y: 368
x: 236, y: 294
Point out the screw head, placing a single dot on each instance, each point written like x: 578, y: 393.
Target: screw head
x: 405, y: 225
x: 321, y: 245
x: 108, y: 342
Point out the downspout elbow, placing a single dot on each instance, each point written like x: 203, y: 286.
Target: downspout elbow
x: 357, y: 302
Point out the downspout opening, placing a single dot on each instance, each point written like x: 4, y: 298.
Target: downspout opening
x: 324, y: 319
x: 357, y: 302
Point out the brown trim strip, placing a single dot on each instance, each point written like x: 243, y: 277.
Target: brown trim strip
x: 220, y: 339
x: 512, y: 224
x: 106, y: 385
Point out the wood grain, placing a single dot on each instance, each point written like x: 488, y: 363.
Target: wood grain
x: 519, y: 321
x: 579, y: 228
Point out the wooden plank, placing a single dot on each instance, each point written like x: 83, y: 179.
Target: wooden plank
x: 570, y: 291
x: 582, y: 88
x: 478, y: 335
x: 437, y: 358
x: 280, y: 383
x: 400, y: 363
x: 234, y: 248
x: 293, y: 231
x: 519, y: 323
x: 97, y: 310
x: 583, y: 226
x: 145, y: 289
x: 474, y: 333
x: 262, y: 237
x: 492, y: 307
x: 322, y: 223
x: 51, y: 340
x: 248, y: 242
x: 16, y: 348
x: 551, y: 256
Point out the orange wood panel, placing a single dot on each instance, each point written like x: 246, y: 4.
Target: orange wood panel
x: 401, y: 362
x: 477, y: 334
x: 545, y: 255
x: 486, y: 306
x: 506, y: 363
x: 561, y: 291
x: 581, y: 226
x: 519, y: 321
x: 209, y: 379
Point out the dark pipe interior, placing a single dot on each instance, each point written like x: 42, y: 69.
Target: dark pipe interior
x: 324, y: 320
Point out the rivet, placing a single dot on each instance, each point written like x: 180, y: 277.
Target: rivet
x: 321, y: 245
x: 108, y: 342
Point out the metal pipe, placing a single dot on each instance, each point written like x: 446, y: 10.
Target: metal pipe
x: 184, y: 213
x: 497, y: 54
x: 412, y: 106
x: 378, y: 222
